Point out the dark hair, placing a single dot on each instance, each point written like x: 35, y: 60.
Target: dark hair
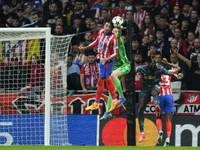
x: 152, y: 68
x: 78, y: 1
x: 173, y: 20
x: 70, y: 55
x: 138, y: 53
x: 162, y: 17
x: 35, y: 13
x: 193, y: 10
x: 154, y: 45
x: 136, y: 39
x: 105, y: 9
x: 59, y: 17
x: 186, y: 19
x: 110, y: 22
x: 160, y: 30
x: 36, y: 56
x: 121, y: 1
x: 140, y: 3
x: 91, y: 54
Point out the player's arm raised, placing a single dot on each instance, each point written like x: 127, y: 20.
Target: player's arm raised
x: 171, y: 65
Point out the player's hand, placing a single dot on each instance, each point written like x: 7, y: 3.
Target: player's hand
x: 104, y: 60
x: 180, y: 76
x: 120, y: 27
x: 85, y: 91
x: 165, y: 60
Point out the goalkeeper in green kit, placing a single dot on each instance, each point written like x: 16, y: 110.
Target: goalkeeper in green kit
x: 121, y: 68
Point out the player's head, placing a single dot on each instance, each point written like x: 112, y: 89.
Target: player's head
x: 34, y: 59
x: 152, y: 68
x: 138, y: 58
x: 14, y: 61
x: 115, y: 30
x: 108, y: 26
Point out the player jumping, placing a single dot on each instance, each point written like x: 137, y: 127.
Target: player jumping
x: 151, y: 76
x: 166, y: 102
x: 108, y: 50
x: 121, y: 68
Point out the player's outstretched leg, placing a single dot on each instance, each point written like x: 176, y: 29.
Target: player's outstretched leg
x: 107, y: 114
x: 100, y: 90
x: 169, y: 129
x: 156, y: 99
x: 160, y: 132
x: 119, y: 89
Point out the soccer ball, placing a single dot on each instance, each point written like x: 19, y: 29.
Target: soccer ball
x: 117, y: 21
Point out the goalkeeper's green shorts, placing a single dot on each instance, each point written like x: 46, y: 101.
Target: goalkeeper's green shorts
x: 125, y: 69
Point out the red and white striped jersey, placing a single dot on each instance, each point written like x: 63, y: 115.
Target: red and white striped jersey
x: 165, y: 84
x: 107, y: 45
x: 138, y: 18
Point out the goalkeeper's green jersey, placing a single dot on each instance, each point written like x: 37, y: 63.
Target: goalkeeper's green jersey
x: 121, y: 58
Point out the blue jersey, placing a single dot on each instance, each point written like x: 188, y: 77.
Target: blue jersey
x: 147, y: 79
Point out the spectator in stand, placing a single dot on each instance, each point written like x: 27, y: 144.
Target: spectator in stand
x: 190, y: 41
x: 195, y: 4
x: 197, y: 30
x: 28, y: 13
x: 139, y: 15
x: 36, y: 6
x: 99, y: 25
x: 88, y: 38
x: 173, y: 3
x: 182, y: 45
x: 74, y: 50
x: 77, y: 28
x: 4, y: 14
x: 59, y: 21
x: 130, y: 5
x: 47, y: 6
x: 93, y: 26
x: 88, y: 20
x: 14, y: 5
x: 13, y: 77
x: 99, y: 11
x: 193, y: 20
x: 129, y: 16
x: 50, y: 18
x: 37, y: 19
x: 158, y: 58
x: 79, y: 11
x: 114, y: 4
x: 15, y: 22
x: 80, y: 56
x: 58, y: 30
x: 164, y: 11
x: 121, y: 11
x: 157, y: 20
x: 174, y: 45
x: 152, y: 52
x: 177, y: 14
x: 151, y: 9
x: 144, y: 47
x: 185, y: 28
x: 193, y: 52
x: 22, y: 19
x: 104, y: 16
x: 194, y: 66
x: 163, y: 24
x: 178, y: 84
x: 163, y: 3
x: 72, y: 68
x: 148, y: 26
x: 135, y: 47
x: 185, y: 12
x: 163, y: 46
x: 73, y: 74
x: 58, y: 76
x: 169, y: 35
x: 36, y: 81
x: 89, y: 74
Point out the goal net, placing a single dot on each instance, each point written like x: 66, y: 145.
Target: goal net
x: 33, y: 83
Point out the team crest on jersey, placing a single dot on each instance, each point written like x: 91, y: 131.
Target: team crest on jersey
x: 150, y: 77
x: 192, y: 98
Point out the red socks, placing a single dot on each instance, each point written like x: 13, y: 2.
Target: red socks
x: 100, y: 90
x: 111, y: 88
x: 159, y: 124
x: 169, y: 128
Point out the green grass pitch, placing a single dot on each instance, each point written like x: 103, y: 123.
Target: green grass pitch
x: 93, y: 148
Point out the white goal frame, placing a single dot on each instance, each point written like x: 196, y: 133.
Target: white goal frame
x: 47, y: 36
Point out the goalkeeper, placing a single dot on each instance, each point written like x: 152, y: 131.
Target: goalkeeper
x: 121, y: 68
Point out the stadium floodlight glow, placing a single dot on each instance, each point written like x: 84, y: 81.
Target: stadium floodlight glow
x: 23, y: 43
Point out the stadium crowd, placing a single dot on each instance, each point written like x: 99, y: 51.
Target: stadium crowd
x: 160, y: 29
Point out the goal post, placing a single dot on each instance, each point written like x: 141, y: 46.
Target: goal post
x: 55, y: 122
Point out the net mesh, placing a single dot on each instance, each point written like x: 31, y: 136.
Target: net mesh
x: 22, y: 88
